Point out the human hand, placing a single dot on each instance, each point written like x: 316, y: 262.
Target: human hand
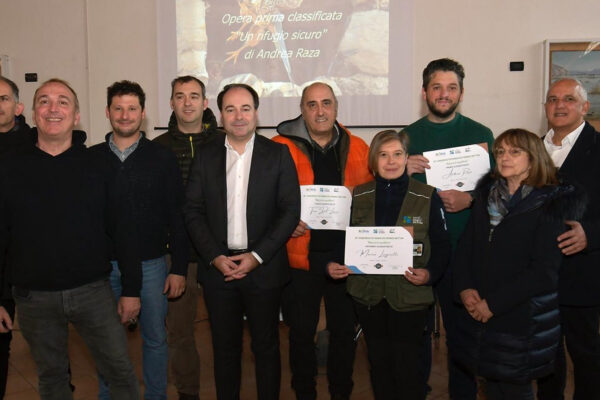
x: 417, y: 276
x: 174, y: 286
x: 454, y: 200
x: 300, y: 229
x: 482, y: 312
x: 245, y: 263
x: 5, y: 321
x: 574, y: 240
x: 469, y: 298
x: 338, y: 271
x: 225, y: 265
x: 128, y: 309
x: 417, y: 164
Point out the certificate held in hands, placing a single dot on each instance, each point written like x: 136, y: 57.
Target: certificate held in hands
x: 325, y: 206
x: 457, y: 168
x: 380, y: 250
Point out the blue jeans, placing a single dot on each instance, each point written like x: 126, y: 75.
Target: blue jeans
x: 152, y: 326
x: 44, y: 317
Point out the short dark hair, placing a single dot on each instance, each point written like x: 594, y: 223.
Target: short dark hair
x: 443, y: 64
x: 227, y: 88
x: 13, y: 87
x: 542, y: 171
x: 60, y: 82
x: 125, y: 87
x: 380, y: 139
x: 186, y: 79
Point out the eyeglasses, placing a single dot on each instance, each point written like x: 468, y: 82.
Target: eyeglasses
x: 513, y: 152
x: 566, y: 99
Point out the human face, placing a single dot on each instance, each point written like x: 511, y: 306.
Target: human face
x: 9, y: 108
x: 442, y: 95
x: 565, y: 108
x: 54, y: 112
x: 391, y: 160
x: 513, y: 164
x: 319, y: 110
x: 126, y: 115
x: 238, y: 115
x: 188, y: 105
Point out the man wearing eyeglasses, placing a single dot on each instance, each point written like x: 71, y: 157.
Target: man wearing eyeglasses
x: 574, y: 146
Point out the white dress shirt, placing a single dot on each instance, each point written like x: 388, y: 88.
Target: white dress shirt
x: 559, y: 153
x: 238, y: 173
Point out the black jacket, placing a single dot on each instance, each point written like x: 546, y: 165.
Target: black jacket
x: 579, y: 283
x: 18, y: 136
x: 272, y: 209
x: 515, y: 269
x: 157, y: 197
x: 59, y: 217
x: 185, y: 145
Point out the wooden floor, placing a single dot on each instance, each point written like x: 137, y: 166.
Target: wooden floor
x: 22, y: 379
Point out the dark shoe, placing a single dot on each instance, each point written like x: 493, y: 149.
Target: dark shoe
x: 183, y: 396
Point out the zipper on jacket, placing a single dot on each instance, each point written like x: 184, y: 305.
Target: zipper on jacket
x: 192, y: 145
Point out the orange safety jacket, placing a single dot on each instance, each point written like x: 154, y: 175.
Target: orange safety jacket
x: 356, y: 172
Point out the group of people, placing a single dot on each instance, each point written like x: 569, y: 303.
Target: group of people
x: 133, y: 230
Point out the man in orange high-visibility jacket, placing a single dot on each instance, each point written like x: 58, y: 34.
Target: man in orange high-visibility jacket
x: 325, y: 153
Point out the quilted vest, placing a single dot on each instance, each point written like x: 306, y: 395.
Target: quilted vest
x: 400, y: 294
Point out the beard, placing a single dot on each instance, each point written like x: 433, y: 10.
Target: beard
x: 125, y: 133
x: 438, y: 113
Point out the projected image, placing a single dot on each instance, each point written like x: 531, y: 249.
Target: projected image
x: 279, y: 46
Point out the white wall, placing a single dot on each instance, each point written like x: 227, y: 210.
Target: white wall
x: 50, y: 38
x: 117, y: 40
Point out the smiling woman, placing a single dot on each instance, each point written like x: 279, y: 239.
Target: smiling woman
x: 392, y: 309
x: 506, y: 268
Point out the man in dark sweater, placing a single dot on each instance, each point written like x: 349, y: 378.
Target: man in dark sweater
x: 59, y: 219
x: 156, y: 193
x: 13, y: 131
x: 192, y: 124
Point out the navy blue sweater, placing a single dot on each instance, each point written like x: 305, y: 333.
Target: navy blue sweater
x: 156, y: 194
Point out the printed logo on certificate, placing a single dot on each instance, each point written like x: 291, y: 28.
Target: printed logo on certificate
x: 379, y: 250
x: 457, y: 168
x: 325, y: 206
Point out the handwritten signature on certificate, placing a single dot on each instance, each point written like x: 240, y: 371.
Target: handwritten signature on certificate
x: 457, y: 168
x: 325, y: 206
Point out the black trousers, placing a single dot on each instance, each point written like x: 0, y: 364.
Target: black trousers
x: 580, y: 326
x: 226, y: 308
x: 394, y: 343
x: 462, y: 385
x: 5, y: 339
x: 301, y: 306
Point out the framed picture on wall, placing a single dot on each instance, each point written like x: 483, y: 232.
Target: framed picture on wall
x: 579, y: 59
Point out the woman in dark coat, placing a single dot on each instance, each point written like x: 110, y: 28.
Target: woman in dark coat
x: 506, y: 268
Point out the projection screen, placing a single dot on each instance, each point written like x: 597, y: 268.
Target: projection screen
x: 362, y: 48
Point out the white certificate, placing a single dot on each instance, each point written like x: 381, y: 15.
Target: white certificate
x: 457, y: 168
x: 325, y: 207
x: 384, y: 250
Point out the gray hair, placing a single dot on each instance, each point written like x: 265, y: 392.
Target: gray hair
x: 13, y: 87
x: 578, y: 87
